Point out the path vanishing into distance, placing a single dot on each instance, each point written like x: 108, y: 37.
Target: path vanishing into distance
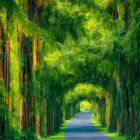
x: 82, y: 128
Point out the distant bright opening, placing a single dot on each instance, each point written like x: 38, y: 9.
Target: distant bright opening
x: 86, y: 106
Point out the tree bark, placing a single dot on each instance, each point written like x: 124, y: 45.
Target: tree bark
x: 127, y: 15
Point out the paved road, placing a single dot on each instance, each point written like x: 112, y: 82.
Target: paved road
x: 82, y: 128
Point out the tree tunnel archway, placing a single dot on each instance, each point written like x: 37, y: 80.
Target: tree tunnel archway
x: 51, y: 48
x: 95, y: 95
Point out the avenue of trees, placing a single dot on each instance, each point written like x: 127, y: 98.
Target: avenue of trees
x: 56, y: 53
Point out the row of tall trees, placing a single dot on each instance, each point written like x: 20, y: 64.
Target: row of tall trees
x: 55, y: 53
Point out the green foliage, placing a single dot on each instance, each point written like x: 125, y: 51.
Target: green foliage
x: 88, y: 50
x: 137, y: 136
x: 113, y: 135
x: 3, y: 94
x: 86, y: 106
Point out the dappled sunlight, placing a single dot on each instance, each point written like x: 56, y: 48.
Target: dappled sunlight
x: 60, y: 57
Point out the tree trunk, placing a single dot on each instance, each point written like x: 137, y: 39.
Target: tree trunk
x: 127, y: 15
x: 1, y: 52
x: 28, y: 112
x: 2, y: 116
x: 5, y: 72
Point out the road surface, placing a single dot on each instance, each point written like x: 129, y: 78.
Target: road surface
x: 82, y: 128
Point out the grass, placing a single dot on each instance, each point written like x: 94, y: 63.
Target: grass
x: 113, y: 135
x: 60, y: 135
